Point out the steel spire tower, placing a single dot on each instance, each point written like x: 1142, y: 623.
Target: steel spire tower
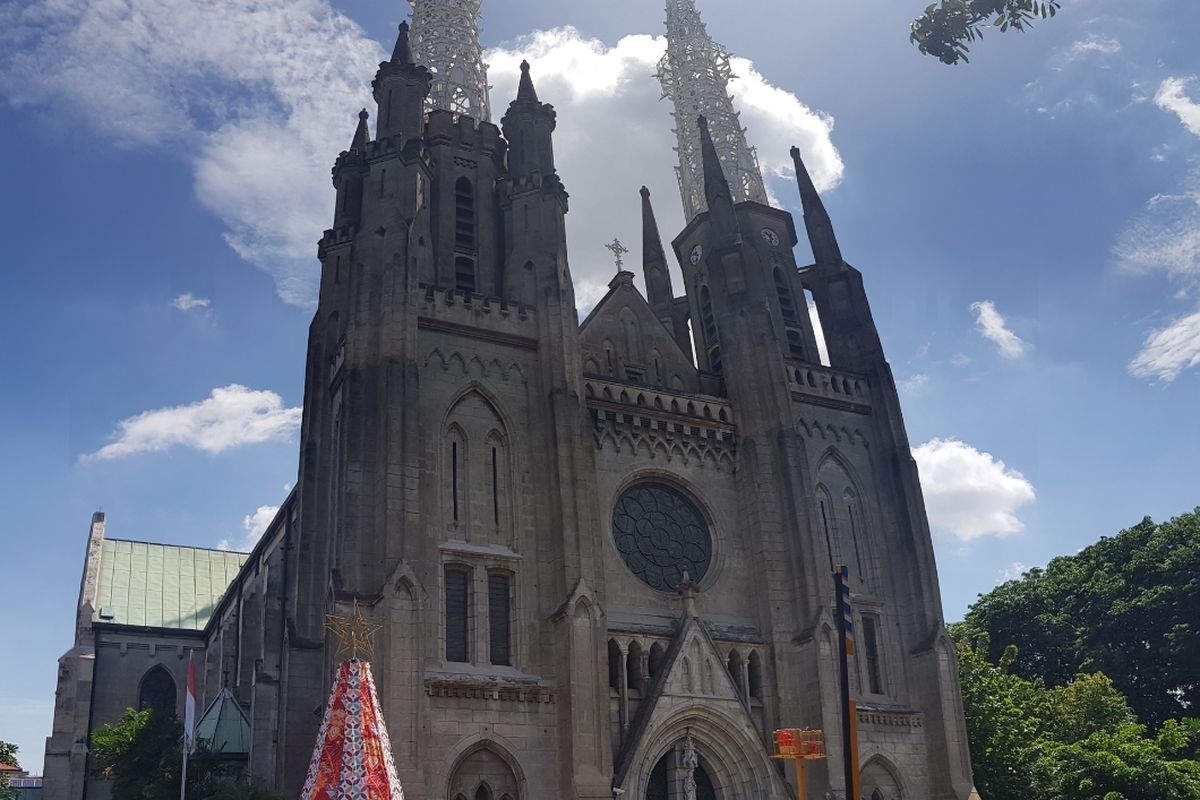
x: 445, y: 39
x: 695, y: 74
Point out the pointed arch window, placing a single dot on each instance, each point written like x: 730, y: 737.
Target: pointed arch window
x: 158, y: 692
x: 482, y: 793
x: 754, y: 675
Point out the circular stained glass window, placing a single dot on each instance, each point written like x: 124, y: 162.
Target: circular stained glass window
x: 661, y: 534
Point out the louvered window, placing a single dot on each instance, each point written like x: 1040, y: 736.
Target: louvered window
x: 499, y: 618
x: 458, y: 614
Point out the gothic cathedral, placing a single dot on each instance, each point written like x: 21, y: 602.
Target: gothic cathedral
x: 601, y: 552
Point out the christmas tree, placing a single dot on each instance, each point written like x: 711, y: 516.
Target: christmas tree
x: 352, y: 759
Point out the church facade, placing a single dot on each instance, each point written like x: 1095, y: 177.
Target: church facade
x: 601, y: 553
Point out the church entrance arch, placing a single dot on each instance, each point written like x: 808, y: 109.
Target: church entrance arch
x: 669, y: 780
x: 730, y: 762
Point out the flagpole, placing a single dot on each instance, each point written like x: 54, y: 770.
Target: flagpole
x: 841, y: 579
x: 189, y: 722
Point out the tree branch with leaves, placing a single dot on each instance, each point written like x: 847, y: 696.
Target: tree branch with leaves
x: 945, y: 29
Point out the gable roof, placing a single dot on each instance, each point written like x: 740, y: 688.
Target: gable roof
x: 162, y: 585
x: 604, y: 321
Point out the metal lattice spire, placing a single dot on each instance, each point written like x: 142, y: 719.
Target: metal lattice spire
x: 445, y: 38
x: 695, y: 74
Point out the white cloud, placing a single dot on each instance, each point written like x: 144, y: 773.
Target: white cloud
x: 1013, y: 571
x: 614, y: 135
x: 914, y: 383
x: 1170, y: 350
x: 261, y: 95
x: 961, y: 360
x: 188, y: 302
x: 229, y: 417
x: 993, y: 327
x: 1092, y: 45
x: 1171, y: 96
x: 254, y: 526
x: 968, y: 493
x: 1165, y: 238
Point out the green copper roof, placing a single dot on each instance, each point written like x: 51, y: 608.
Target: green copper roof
x: 162, y: 585
x: 224, y: 726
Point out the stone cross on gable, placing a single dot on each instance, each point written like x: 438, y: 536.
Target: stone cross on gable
x: 618, y: 250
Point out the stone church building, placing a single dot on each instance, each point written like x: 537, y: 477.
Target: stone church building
x: 601, y: 552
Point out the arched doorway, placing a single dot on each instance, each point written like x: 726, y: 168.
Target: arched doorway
x: 669, y: 778
x: 483, y: 774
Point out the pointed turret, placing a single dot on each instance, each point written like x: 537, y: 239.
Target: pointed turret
x: 361, y: 135
x: 816, y: 219
x: 716, y: 188
x: 402, y: 52
x: 525, y: 91
x: 528, y: 125
x: 400, y: 88
x: 654, y: 264
x: 348, y: 173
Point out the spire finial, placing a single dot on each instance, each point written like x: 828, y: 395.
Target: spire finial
x: 361, y: 134
x: 618, y: 250
x: 525, y: 91
x: 402, y: 52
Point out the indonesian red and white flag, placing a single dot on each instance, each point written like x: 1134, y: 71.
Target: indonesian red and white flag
x: 189, y: 706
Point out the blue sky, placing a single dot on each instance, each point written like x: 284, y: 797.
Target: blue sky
x: 1028, y: 227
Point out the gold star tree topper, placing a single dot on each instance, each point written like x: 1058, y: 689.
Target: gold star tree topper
x: 354, y: 632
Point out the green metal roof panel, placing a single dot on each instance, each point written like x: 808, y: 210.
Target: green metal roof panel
x: 224, y: 726
x: 162, y: 585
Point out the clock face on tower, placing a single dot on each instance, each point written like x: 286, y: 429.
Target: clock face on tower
x: 770, y: 236
x: 661, y: 534
x: 697, y: 252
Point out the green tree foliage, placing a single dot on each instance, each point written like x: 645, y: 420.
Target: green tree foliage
x: 8, y: 755
x: 1073, y: 742
x: 946, y: 27
x: 1127, y: 606
x: 142, y: 752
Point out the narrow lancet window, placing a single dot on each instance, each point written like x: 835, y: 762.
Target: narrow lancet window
x: 499, y: 618
x: 458, y: 614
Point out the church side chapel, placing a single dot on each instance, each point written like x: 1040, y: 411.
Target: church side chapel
x: 599, y: 555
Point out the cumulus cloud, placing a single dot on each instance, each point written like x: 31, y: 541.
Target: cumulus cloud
x: 230, y: 417
x: 992, y: 325
x: 253, y: 526
x: 188, y: 302
x: 1169, y: 351
x: 615, y: 134
x: 970, y: 494
x: 261, y: 95
x: 1172, y: 96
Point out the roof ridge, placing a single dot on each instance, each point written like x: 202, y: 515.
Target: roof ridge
x: 179, y: 546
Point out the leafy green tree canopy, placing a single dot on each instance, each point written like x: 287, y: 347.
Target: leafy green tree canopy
x: 946, y: 27
x: 1127, y: 606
